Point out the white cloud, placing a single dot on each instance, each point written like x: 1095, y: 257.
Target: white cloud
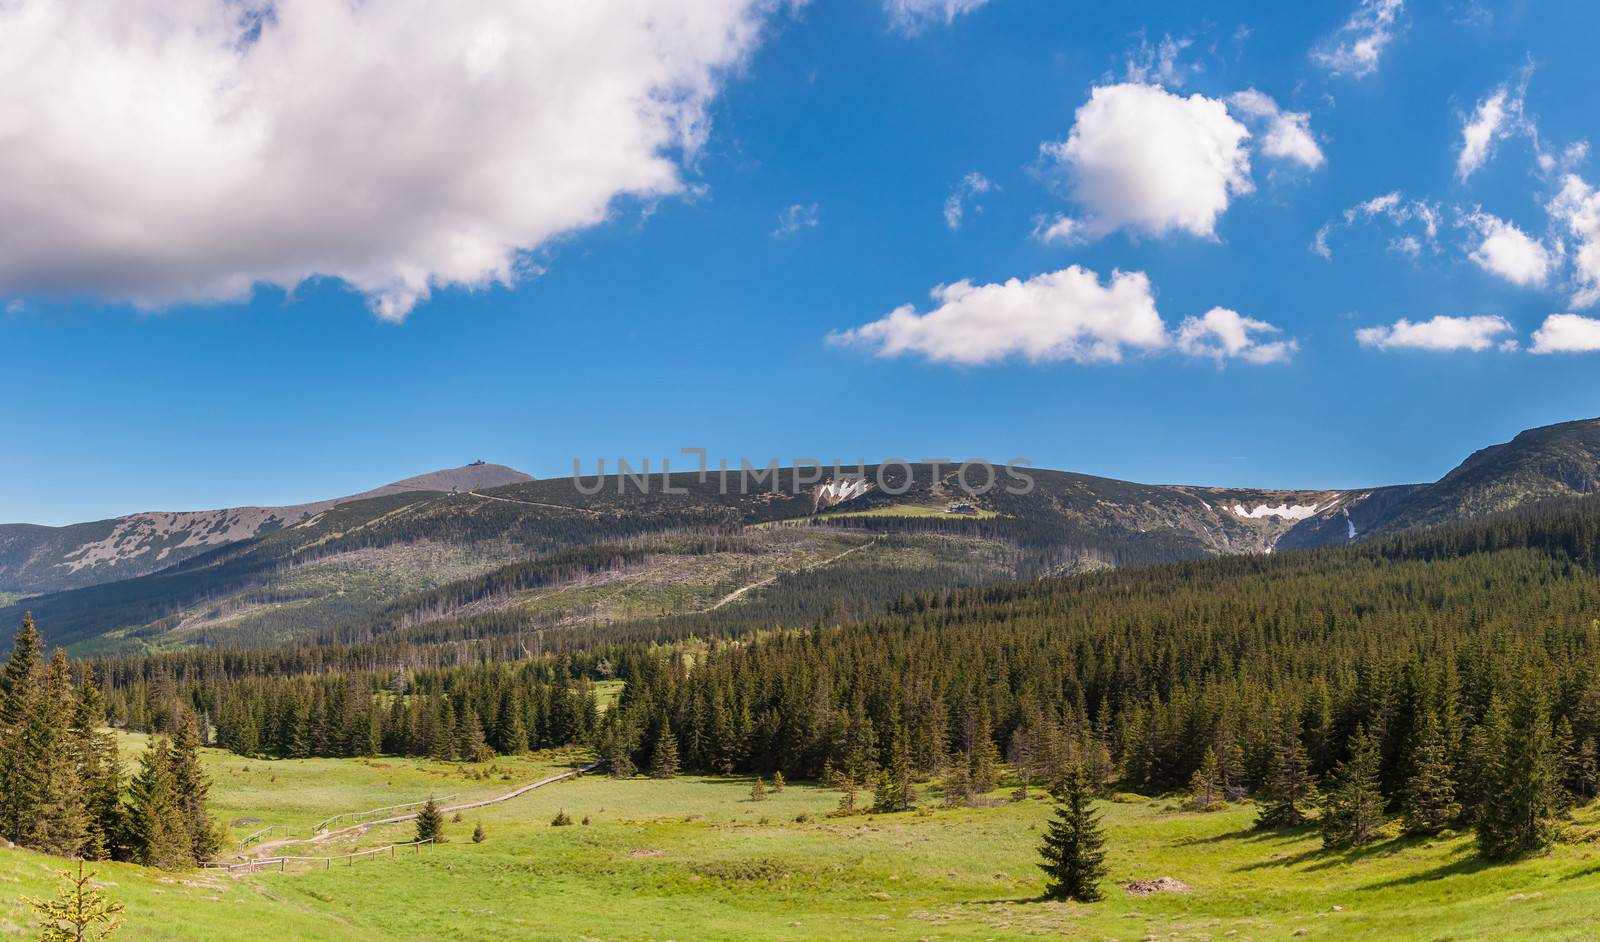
x: 1393, y: 208
x: 1501, y: 115
x: 1567, y: 333
x: 166, y: 151
x: 1358, y: 45
x: 1441, y: 333
x: 1058, y: 230
x: 973, y: 184
x: 1508, y: 252
x: 1222, y: 334
x: 1288, y: 133
x: 795, y: 218
x: 1319, y: 243
x: 1480, y: 131
x: 912, y: 16
x: 1409, y: 246
x: 1061, y: 315
x: 1142, y: 158
x: 1159, y: 64
x: 1577, y: 206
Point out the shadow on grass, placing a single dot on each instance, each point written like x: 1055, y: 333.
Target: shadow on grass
x: 1250, y: 835
x: 1467, y: 865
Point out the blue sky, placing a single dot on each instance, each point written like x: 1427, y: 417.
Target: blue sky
x: 193, y: 320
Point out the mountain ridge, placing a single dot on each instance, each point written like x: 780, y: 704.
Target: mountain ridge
x: 40, y: 558
x: 564, y: 553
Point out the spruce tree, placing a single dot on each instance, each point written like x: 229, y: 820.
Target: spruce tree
x: 61, y: 821
x: 1289, y: 789
x: 1353, y: 809
x: 958, y: 783
x: 80, y: 912
x: 157, y: 827
x: 95, y: 756
x: 471, y: 746
x: 758, y: 791
x: 664, y: 760
x: 1206, y: 786
x: 21, y: 685
x: 430, y: 823
x: 1524, y: 793
x: 194, y: 790
x: 1073, y: 849
x: 1429, y: 804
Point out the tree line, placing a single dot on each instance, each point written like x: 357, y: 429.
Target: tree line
x: 61, y: 781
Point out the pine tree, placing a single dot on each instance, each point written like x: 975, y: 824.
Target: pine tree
x: 471, y: 746
x: 1524, y: 792
x: 194, y: 790
x: 1429, y: 802
x: 430, y: 823
x: 478, y: 834
x: 1353, y: 809
x: 1073, y: 849
x: 1585, y: 772
x: 1289, y: 789
x: 664, y: 760
x: 80, y: 912
x: 1477, y: 762
x: 95, y: 756
x: 61, y: 820
x: 158, y: 829
x: 758, y: 791
x: 21, y: 685
x: 851, y: 788
x: 1206, y: 787
x: 958, y: 783
x: 777, y: 781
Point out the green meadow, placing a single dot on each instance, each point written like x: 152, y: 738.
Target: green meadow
x: 697, y: 858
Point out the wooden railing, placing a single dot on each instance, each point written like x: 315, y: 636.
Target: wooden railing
x: 283, y: 862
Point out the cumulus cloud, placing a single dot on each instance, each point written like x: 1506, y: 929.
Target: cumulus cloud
x: 1142, y: 158
x: 1358, y: 45
x: 1062, y: 315
x: 1567, y: 333
x: 1506, y: 251
x: 913, y: 16
x: 1577, y: 207
x: 1440, y: 333
x: 795, y: 218
x: 165, y: 151
x: 973, y: 184
x: 1286, y: 135
x: 1223, y: 334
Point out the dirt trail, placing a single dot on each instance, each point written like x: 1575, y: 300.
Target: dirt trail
x: 534, y: 503
x: 736, y: 593
x: 266, y: 848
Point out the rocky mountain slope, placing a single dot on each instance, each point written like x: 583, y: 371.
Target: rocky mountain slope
x: 42, y: 559
x: 449, y: 553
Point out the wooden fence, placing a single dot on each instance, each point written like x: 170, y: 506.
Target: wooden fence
x: 284, y: 862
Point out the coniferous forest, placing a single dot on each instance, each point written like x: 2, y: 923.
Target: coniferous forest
x: 1444, y: 679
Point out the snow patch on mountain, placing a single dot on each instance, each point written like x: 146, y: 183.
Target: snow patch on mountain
x: 1286, y: 511
x: 838, y: 491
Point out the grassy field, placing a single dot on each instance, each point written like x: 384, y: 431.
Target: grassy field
x: 696, y: 858
x: 941, y: 511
